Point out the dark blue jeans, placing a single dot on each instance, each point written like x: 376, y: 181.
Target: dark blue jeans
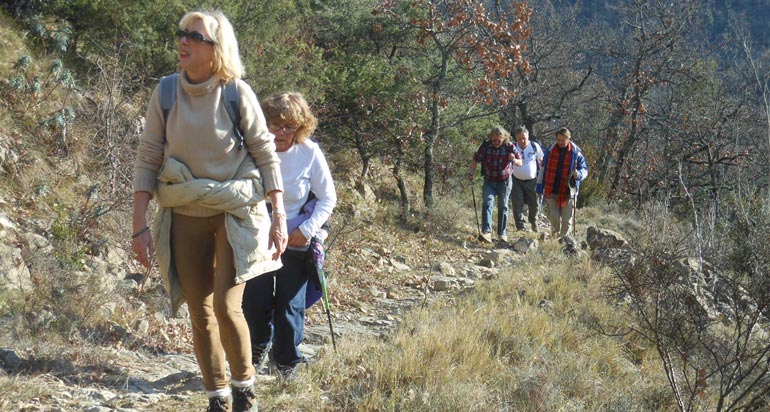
x: 489, y: 190
x: 274, y: 307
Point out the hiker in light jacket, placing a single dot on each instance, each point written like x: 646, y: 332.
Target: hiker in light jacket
x: 497, y: 157
x: 524, y: 181
x: 212, y: 232
x: 558, y: 181
x: 274, y: 303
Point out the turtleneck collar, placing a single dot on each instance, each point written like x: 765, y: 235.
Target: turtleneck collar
x: 199, y: 89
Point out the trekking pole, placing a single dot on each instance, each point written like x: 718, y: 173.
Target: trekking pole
x: 574, y: 204
x: 327, y: 307
x: 475, y: 210
x: 574, y: 218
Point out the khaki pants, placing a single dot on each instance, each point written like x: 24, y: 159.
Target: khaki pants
x: 560, y: 217
x: 204, y: 262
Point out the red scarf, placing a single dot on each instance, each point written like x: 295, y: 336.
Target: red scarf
x: 550, y: 175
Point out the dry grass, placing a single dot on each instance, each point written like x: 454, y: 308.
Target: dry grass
x: 497, y: 349
x: 528, y: 341
x: 38, y: 387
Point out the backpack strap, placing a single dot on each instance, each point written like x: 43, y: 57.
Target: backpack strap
x: 232, y: 100
x: 167, y: 96
x: 230, y: 96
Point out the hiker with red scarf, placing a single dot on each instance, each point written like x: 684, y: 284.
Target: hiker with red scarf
x: 564, y: 167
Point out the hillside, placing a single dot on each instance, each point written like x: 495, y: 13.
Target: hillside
x: 423, y: 324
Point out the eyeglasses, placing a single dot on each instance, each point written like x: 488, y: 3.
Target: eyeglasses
x: 283, y: 129
x: 194, y: 35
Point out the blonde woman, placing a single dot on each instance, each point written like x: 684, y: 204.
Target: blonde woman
x: 210, y: 238
x: 275, y: 303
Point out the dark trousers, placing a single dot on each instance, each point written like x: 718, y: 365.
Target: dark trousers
x: 524, y: 192
x: 274, y: 306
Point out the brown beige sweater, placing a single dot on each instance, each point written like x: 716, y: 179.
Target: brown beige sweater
x: 200, y: 135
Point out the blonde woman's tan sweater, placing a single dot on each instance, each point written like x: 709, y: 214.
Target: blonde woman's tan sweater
x: 200, y: 135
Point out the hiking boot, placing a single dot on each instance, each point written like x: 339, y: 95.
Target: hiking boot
x: 287, y: 374
x: 534, y: 226
x: 486, y: 237
x: 259, y: 359
x: 502, y: 238
x: 244, y: 399
x: 218, y: 404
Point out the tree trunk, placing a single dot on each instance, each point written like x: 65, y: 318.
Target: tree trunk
x: 526, y: 117
x: 435, y: 126
x: 427, y: 190
x: 363, y: 154
x: 405, y: 209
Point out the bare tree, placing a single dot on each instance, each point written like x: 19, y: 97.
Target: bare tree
x: 649, y: 51
x: 455, y: 38
x: 559, y: 75
x: 708, y: 323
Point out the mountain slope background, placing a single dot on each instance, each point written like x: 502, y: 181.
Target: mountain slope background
x: 428, y: 319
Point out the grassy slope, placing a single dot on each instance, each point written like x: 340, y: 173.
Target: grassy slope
x: 498, y: 347
x: 11, y: 48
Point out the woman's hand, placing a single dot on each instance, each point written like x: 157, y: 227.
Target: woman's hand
x: 278, y: 232
x: 141, y: 241
x: 297, y: 239
x: 144, y: 248
x: 278, y: 235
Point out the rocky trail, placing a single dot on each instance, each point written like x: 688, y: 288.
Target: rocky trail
x: 119, y: 379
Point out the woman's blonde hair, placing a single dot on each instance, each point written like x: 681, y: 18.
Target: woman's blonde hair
x: 227, y: 60
x: 290, y: 108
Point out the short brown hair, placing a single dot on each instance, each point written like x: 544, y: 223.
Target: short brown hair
x: 564, y: 131
x: 290, y: 107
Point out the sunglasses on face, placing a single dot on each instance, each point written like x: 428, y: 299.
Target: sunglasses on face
x: 194, y: 36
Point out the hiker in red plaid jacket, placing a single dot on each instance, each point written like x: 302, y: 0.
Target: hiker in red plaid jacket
x: 497, y: 157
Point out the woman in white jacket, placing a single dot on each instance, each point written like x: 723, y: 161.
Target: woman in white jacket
x: 274, y: 303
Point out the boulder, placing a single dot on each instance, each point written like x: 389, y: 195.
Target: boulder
x: 399, y: 266
x: 599, y: 239
x: 445, y: 269
x: 13, y: 271
x: 366, y: 192
x: 444, y: 283
x: 570, y: 246
x: 524, y: 245
x: 36, y: 242
x: 9, y: 360
x: 6, y: 223
x: 487, y: 262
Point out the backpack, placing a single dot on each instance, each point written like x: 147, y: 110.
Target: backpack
x: 230, y: 95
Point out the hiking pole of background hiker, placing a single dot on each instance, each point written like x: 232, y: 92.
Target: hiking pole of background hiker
x: 574, y: 207
x: 475, y: 209
x: 574, y: 217
x: 327, y: 307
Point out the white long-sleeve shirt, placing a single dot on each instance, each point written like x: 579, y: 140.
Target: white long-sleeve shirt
x: 304, y: 169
